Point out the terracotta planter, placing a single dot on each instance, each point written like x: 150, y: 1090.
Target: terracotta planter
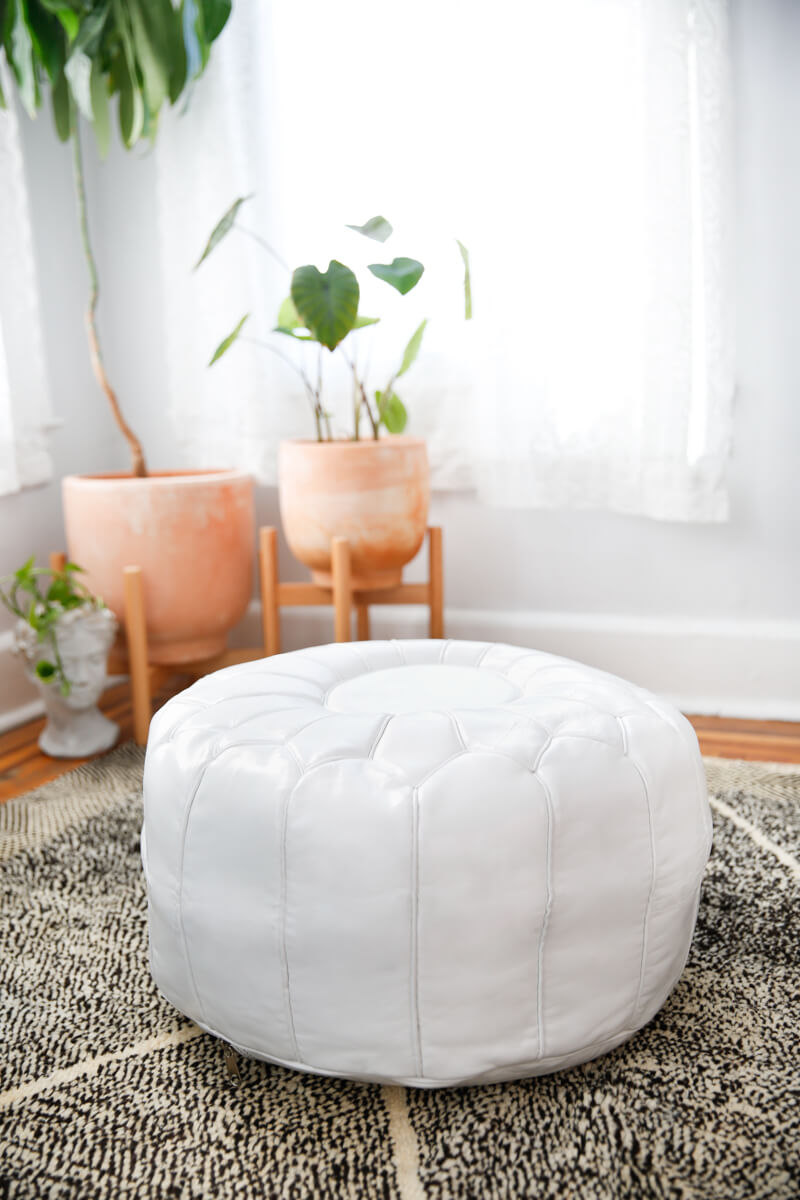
x: 373, y: 493
x: 192, y: 533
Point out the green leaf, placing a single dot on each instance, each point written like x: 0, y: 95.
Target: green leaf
x: 151, y: 37
x: 288, y: 316
x: 22, y: 573
x: 19, y: 48
x: 74, y: 568
x: 214, y: 13
x: 202, y: 21
x: 227, y: 342
x: 150, y: 126
x: 289, y: 322
x: 377, y: 228
x: 326, y: 303
x: 223, y: 226
x: 59, y: 591
x: 131, y: 110
x: 45, y: 670
x: 362, y: 322
x: 70, y: 22
x: 391, y: 411
x: 131, y: 104
x: 402, y: 273
x: 467, y: 281
x: 91, y: 28
x: 62, y: 107
x: 78, y: 71
x: 48, y: 39
x: 78, y: 68
x: 412, y: 349
x: 67, y: 12
x: 292, y: 333
x: 98, y: 90
x: 177, y: 55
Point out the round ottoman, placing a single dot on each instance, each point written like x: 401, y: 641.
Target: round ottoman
x: 423, y: 862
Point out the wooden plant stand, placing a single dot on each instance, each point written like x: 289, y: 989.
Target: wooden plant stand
x: 343, y: 597
x: 146, y: 677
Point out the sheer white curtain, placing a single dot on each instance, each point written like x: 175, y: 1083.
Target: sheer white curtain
x: 25, y: 413
x: 579, y: 149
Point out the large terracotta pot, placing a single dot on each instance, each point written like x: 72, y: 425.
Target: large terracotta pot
x: 192, y: 533
x: 374, y: 493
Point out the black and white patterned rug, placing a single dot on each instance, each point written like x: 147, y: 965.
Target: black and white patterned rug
x: 106, y: 1091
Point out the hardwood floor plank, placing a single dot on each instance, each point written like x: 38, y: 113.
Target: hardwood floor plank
x: 737, y: 724
x: 23, y: 766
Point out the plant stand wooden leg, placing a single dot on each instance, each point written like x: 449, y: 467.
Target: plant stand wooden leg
x: 342, y: 588
x: 270, y: 612
x: 58, y: 560
x: 136, y: 633
x: 362, y: 622
x: 436, y: 578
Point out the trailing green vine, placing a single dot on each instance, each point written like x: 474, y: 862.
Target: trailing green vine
x: 41, y: 605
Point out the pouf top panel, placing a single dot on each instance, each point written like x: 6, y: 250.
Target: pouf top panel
x: 350, y: 685
x: 432, y: 687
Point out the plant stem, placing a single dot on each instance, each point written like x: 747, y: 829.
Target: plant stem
x: 356, y: 412
x: 313, y: 396
x: 265, y: 245
x: 362, y: 391
x: 375, y: 424
x: 138, y: 467
x: 325, y: 415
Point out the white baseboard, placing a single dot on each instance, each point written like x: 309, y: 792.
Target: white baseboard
x: 724, y: 668
x: 18, y: 699
x: 13, y: 717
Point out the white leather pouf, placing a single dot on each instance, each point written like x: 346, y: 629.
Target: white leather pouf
x: 422, y: 862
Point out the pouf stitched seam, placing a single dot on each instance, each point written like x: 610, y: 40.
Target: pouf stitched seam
x: 305, y: 770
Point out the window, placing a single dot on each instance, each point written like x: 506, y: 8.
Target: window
x: 25, y: 413
x: 579, y: 149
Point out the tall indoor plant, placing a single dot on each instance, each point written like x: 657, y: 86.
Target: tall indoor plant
x: 181, y: 528
x: 364, y: 486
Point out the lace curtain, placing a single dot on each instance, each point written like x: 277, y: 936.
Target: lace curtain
x: 580, y: 150
x: 25, y: 414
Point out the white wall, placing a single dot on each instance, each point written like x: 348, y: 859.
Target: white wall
x: 30, y: 522
x: 709, y: 615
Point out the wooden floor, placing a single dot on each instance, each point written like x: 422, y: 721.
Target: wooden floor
x: 23, y: 766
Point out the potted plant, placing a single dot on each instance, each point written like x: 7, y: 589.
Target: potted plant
x: 367, y: 487
x: 64, y: 633
x: 192, y: 533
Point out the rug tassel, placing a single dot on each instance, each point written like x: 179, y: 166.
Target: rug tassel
x: 232, y: 1062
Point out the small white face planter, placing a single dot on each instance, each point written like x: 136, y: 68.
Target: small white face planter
x: 75, y: 726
